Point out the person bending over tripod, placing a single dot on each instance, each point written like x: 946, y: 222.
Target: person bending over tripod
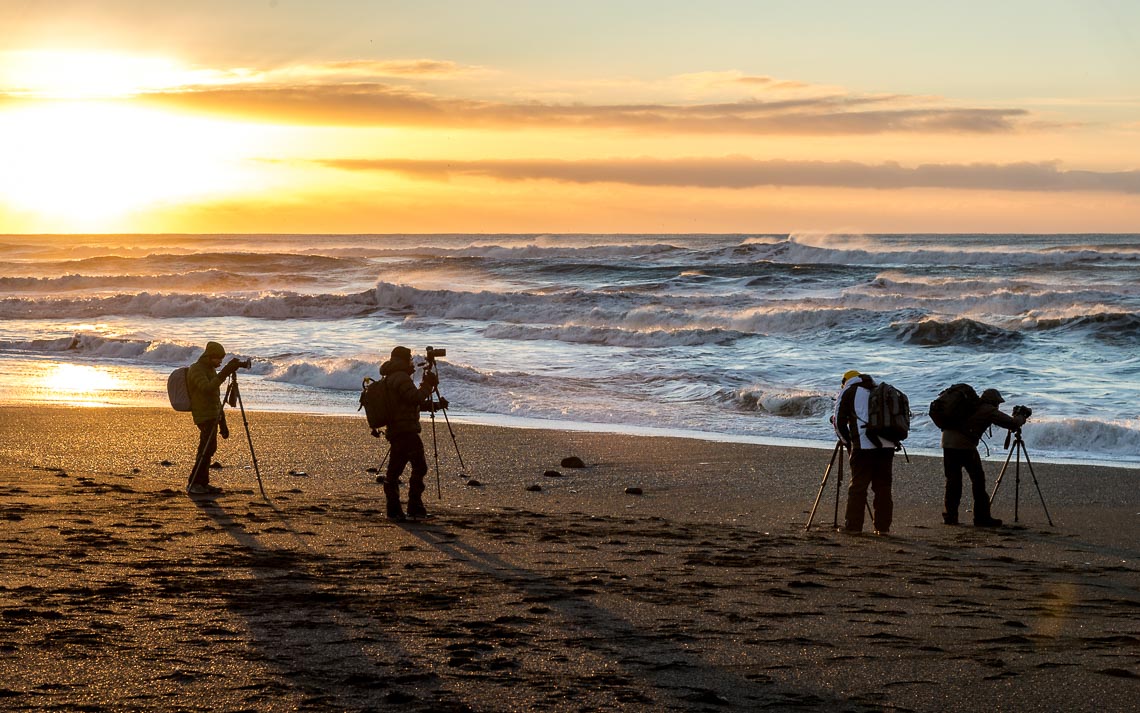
x: 960, y: 450
x: 203, y: 382
x: 871, y: 458
x: 405, y: 401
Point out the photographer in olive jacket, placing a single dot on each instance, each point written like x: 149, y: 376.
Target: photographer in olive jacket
x: 203, y: 381
x: 405, y: 401
x: 960, y: 450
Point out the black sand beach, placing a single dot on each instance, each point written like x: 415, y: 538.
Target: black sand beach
x: 705, y: 592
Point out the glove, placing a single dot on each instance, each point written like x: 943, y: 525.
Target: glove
x: 223, y: 429
x: 231, y: 366
x: 431, y: 379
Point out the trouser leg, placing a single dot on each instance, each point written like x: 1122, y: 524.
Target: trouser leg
x: 416, y: 485
x: 207, y: 447
x: 952, y: 463
x: 881, y: 483
x: 978, y: 488
x: 857, y: 492
x: 397, y: 460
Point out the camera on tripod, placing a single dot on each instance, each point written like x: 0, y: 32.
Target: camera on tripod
x: 1024, y: 412
x: 248, y: 363
x: 431, y: 353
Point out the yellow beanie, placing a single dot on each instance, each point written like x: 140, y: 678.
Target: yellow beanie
x: 849, y: 375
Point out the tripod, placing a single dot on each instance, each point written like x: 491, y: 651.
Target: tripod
x: 835, y: 454
x: 438, y: 403
x: 1019, y: 449
x: 234, y: 395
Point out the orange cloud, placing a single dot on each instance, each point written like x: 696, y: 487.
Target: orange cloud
x: 377, y: 104
x: 741, y: 172
x: 366, y: 69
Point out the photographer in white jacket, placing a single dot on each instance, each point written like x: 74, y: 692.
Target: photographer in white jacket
x: 871, y: 459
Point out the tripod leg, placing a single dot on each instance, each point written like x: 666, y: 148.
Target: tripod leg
x: 1016, y: 483
x: 249, y: 439
x: 822, y: 484
x: 454, y: 442
x: 1035, y: 484
x: 1000, y: 474
x: 838, y: 488
x: 435, y: 448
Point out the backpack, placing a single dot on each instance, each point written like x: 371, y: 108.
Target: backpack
x: 954, y: 406
x: 178, y: 390
x: 888, y: 414
x: 374, y: 401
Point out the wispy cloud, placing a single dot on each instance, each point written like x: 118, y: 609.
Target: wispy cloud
x: 368, y: 70
x: 392, y: 92
x: 379, y: 104
x: 741, y: 172
x: 740, y: 80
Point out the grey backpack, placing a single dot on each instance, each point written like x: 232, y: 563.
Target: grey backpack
x: 178, y: 390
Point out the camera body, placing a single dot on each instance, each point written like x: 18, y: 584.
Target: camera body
x: 1024, y: 411
x: 245, y: 364
x: 432, y: 353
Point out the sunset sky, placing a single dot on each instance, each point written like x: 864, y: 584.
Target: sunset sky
x: 613, y: 116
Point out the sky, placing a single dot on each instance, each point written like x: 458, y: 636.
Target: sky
x: 614, y: 116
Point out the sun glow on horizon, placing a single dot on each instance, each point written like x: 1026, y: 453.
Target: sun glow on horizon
x: 79, y: 385
x: 80, y: 74
x: 83, y: 164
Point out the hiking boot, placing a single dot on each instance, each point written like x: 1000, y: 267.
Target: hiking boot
x: 883, y: 533
x: 419, y: 515
x: 213, y: 489
x: 988, y: 522
x: 397, y: 516
x: 197, y: 489
x: 950, y: 519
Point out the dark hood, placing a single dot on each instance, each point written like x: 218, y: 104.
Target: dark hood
x: 393, y: 365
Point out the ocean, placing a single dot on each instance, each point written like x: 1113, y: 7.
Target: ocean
x: 727, y: 337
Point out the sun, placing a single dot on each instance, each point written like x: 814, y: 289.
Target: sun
x: 72, y: 74
x: 80, y: 155
x: 83, y: 163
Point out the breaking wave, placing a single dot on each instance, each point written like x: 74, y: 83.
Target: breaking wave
x: 967, y: 332
x: 95, y: 346
x: 780, y: 402
x: 614, y: 337
x: 1076, y: 437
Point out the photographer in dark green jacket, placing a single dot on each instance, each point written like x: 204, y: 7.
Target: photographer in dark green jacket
x: 405, y: 401
x: 960, y: 451
x: 203, y: 382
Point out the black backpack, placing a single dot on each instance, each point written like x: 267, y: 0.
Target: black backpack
x: 888, y: 414
x: 374, y: 401
x: 954, y: 406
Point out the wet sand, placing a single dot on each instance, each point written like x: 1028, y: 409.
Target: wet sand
x: 704, y: 592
